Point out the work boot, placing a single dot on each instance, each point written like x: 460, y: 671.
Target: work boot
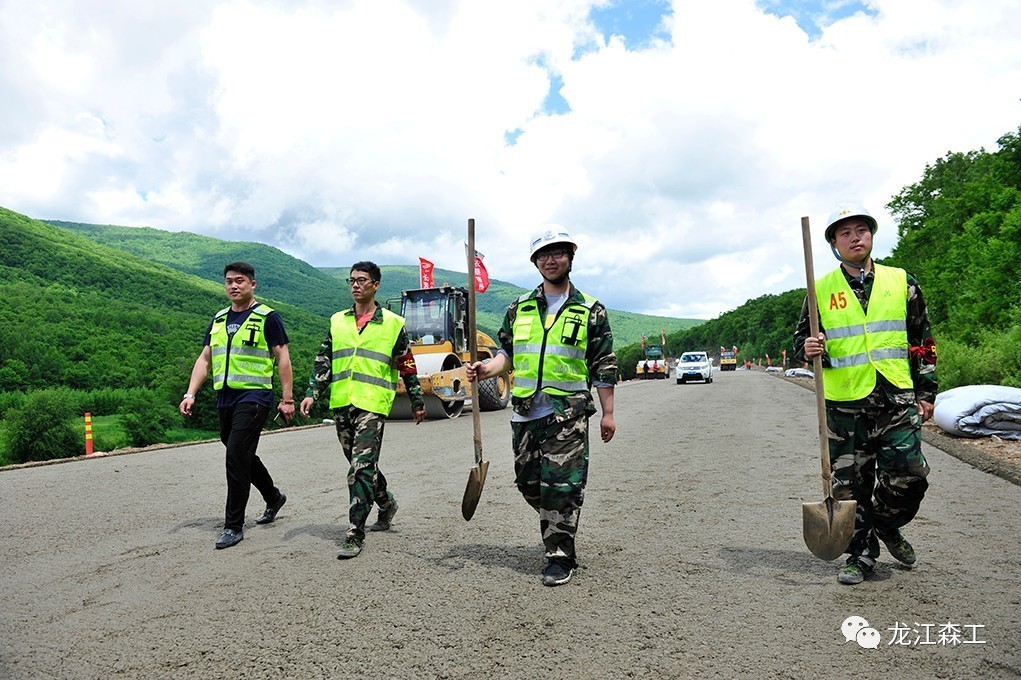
x: 272, y: 510
x: 853, y: 573
x: 349, y: 548
x: 228, y: 538
x: 900, y: 549
x: 557, y: 572
x: 385, y: 516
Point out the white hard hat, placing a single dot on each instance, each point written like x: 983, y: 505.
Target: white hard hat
x: 549, y: 235
x: 846, y: 211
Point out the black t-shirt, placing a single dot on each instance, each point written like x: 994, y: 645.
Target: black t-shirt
x: 275, y: 335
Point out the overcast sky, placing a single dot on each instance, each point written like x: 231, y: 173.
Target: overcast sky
x: 680, y: 142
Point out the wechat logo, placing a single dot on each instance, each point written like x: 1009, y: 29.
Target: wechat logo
x: 856, y: 628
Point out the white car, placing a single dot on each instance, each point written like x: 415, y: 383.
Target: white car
x: 694, y: 366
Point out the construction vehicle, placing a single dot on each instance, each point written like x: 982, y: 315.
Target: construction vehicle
x: 436, y: 322
x: 653, y: 365
x: 728, y: 359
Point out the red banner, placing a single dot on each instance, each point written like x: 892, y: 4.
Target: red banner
x: 425, y: 272
x: 481, y: 275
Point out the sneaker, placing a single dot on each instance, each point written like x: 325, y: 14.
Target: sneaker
x: 272, y: 510
x: 900, y: 549
x: 557, y: 573
x: 852, y: 574
x: 349, y: 548
x: 228, y: 538
x: 385, y: 517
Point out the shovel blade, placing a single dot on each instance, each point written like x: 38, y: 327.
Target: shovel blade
x: 473, y: 491
x: 828, y: 526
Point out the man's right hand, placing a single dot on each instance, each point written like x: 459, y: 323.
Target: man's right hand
x: 815, y: 347
x: 475, y: 370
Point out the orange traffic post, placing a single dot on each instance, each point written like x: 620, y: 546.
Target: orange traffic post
x: 88, y: 434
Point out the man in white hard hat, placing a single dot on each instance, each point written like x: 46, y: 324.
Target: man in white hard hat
x: 879, y: 364
x: 559, y: 344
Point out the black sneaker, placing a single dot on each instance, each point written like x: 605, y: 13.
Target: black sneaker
x: 557, y: 573
x: 385, y: 517
x: 272, y: 510
x: 228, y: 538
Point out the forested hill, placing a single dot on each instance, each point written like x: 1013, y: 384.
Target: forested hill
x: 80, y: 314
x: 322, y: 291
x: 280, y: 276
x: 959, y: 234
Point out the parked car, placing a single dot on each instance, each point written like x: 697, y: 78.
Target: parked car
x: 694, y: 366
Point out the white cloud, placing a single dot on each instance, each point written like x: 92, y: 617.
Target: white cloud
x: 375, y: 128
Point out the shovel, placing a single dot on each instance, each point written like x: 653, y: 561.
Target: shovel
x: 827, y: 526
x: 477, y: 474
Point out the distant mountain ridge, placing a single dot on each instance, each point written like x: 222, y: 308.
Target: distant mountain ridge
x: 321, y: 290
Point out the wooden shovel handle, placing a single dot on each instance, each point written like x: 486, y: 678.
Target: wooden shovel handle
x: 473, y: 341
x: 820, y: 396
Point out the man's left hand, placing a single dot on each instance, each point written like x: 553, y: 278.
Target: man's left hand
x: 418, y: 415
x: 286, y: 410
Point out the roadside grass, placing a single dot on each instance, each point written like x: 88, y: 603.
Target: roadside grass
x: 108, y: 434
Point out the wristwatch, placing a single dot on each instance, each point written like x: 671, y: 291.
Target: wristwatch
x: 188, y: 396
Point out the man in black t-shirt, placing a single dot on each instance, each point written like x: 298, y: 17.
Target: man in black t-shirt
x: 242, y: 345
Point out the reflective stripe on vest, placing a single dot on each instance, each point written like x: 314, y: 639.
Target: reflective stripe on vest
x: 364, y: 374
x: 242, y: 361
x: 860, y: 343
x: 551, y: 360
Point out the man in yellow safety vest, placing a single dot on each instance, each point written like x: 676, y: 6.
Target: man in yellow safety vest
x: 364, y: 352
x: 879, y: 365
x: 558, y: 342
x: 242, y: 345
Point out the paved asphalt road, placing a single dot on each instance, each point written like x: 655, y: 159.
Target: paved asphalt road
x: 693, y: 563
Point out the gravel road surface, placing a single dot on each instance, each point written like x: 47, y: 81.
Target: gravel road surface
x: 692, y: 560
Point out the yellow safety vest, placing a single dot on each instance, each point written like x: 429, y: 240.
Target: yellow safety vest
x: 860, y: 344
x: 242, y: 361
x: 364, y: 373
x: 551, y: 359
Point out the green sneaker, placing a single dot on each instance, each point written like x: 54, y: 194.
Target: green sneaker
x: 900, y: 549
x: 852, y: 574
x: 349, y: 548
x: 385, y: 516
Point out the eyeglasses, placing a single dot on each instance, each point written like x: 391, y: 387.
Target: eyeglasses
x: 551, y: 255
x: 360, y: 281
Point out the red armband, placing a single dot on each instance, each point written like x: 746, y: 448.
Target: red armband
x: 406, y: 364
x: 926, y: 353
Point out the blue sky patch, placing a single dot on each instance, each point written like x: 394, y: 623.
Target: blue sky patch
x: 637, y: 21
x: 815, y: 15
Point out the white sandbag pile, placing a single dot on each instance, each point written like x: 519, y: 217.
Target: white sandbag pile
x: 799, y: 373
x: 980, y: 411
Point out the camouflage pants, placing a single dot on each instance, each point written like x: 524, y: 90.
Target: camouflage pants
x: 551, y: 469
x: 361, y: 436
x: 876, y: 458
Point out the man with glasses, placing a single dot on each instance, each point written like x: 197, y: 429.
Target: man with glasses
x: 559, y: 344
x: 365, y: 350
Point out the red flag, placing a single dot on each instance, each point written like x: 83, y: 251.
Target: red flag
x: 662, y: 335
x: 643, y: 342
x: 425, y: 271
x: 481, y: 275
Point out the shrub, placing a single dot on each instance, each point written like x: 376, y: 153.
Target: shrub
x: 43, y: 428
x: 147, y: 420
